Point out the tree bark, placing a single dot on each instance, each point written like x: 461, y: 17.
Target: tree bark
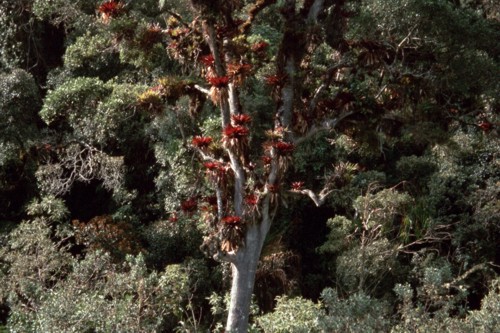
x: 243, y: 278
x: 243, y: 270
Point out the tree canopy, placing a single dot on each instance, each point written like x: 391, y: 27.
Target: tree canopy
x: 221, y: 166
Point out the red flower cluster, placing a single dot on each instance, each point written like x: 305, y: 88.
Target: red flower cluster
x: 231, y: 220
x: 212, y: 165
x: 201, y: 141
x: 251, y: 199
x: 275, y: 80
x: 235, y: 132
x: 485, y: 125
x: 284, y: 148
x: 189, y: 205
x: 219, y: 81
x: 173, y: 217
x: 207, y: 60
x: 297, y: 186
x: 260, y: 46
x: 111, y: 8
x: 266, y: 160
x: 241, y: 119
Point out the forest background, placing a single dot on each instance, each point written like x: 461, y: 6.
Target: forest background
x: 126, y: 128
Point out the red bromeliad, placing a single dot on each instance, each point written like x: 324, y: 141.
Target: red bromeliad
x: 284, y: 148
x: 297, y: 186
x: 235, y: 132
x: 251, y: 199
x: 485, y: 125
x: 260, y: 47
x: 241, y: 119
x: 219, y: 81
x: 202, y: 141
x: 111, y: 8
x: 189, y: 205
x: 231, y: 220
x: 207, y: 60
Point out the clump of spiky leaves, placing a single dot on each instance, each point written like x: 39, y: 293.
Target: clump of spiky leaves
x: 232, y: 233
x: 151, y: 100
x: 111, y: 9
x: 235, y: 138
x: 172, y: 88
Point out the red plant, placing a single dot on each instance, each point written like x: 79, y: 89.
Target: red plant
x: 111, y: 8
x: 284, y: 148
x: 202, y: 141
x: 275, y: 80
x: 216, y: 171
x: 266, y: 159
x: 189, y: 205
x: 219, y: 81
x: 259, y: 46
x: 241, y: 119
x: 173, y: 217
x: 231, y: 220
x: 297, y: 186
x: 251, y: 199
x: 235, y: 132
x: 207, y: 60
x: 485, y: 125
x: 212, y: 165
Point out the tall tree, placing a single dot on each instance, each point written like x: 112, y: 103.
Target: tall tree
x: 280, y: 74
x: 370, y: 86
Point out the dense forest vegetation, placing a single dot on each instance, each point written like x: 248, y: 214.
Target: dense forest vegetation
x: 261, y: 166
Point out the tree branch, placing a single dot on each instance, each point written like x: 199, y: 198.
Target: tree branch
x: 326, y: 125
x: 318, y: 199
x: 201, y: 89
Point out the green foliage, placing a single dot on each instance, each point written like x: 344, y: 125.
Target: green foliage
x: 48, y: 290
x: 73, y: 100
x: 19, y: 134
x: 358, y: 313
x: 34, y: 264
x: 51, y: 208
x: 11, y: 50
x: 337, y: 240
x: 380, y: 208
x: 171, y: 241
x: 91, y: 55
x: 486, y: 319
x: 19, y: 104
x: 292, y: 315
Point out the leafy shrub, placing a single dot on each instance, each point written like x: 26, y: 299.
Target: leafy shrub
x: 292, y: 315
x: 358, y: 313
x: 48, y: 290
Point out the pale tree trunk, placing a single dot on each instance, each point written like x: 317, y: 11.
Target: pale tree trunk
x: 243, y: 278
x: 243, y: 270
